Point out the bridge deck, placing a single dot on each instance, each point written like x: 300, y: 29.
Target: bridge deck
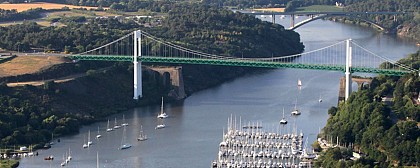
x: 236, y: 62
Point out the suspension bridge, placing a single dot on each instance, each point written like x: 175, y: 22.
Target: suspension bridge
x: 345, y: 56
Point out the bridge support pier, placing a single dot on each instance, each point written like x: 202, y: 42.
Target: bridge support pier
x: 292, y: 20
x: 138, y: 92
x: 273, y: 18
x: 348, y: 69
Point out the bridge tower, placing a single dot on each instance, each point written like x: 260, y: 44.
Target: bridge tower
x: 273, y: 18
x: 292, y: 20
x: 348, y: 69
x: 138, y: 92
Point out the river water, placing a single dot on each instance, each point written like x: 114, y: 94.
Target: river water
x: 195, y: 126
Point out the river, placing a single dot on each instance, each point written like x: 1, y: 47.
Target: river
x: 195, y: 126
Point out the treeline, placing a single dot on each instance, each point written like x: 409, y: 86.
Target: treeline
x: 74, y: 37
x: 293, y: 4
x: 14, y: 15
x: 406, y: 24
x: 217, y: 31
x: 389, y: 135
x: 247, y: 4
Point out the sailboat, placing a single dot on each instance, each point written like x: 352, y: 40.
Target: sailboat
x: 161, y: 125
x: 299, y: 82
x: 89, y: 141
x: 108, y: 129
x: 320, y: 99
x: 116, y: 126
x: 124, y: 145
x: 295, y: 110
x: 283, y: 120
x: 124, y: 123
x: 142, y: 136
x: 162, y: 114
x: 69, y: 157
x: 84, y: 143
x: 52, y: 139
x: 98, y: 135
x: 64, y: 161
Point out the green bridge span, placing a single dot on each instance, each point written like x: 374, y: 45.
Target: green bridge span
x: 237, y: 62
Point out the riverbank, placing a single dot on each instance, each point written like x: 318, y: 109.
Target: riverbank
x: 9, y: 163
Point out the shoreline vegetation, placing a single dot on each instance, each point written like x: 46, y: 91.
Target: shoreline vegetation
x: 378, y: 126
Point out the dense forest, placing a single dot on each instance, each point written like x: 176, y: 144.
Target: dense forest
x: 28, y: 115
x: 13, y: 15
x: 74, y: 37
x: 407, y: 25
x: 388, y: 134
x: 225, y: 32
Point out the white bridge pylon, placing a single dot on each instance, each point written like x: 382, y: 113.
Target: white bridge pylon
x: 138, y: 90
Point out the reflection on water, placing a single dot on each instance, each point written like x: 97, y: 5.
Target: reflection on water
x: 195, y: 126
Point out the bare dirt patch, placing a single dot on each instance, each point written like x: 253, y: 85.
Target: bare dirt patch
x: 28, y: 64
x: 25, y: 6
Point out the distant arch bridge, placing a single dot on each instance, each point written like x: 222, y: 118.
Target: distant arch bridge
x: 319, y: 15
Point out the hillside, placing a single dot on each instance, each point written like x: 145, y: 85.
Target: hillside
x: 387, y: 133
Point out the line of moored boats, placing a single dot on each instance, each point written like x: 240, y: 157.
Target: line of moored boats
x: 252, y: 146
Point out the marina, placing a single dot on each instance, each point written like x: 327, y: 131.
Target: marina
x: 259, y: 147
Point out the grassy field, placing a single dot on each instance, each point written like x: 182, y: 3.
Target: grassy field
x: 319, y: 8
x: 45, y: 21
x: 28, y: 64
x: 44, y: 5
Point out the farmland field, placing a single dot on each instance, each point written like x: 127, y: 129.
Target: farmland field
x: 28, y: 64
x: 25, y: 6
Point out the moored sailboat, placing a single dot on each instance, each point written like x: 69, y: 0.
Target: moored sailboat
x: 162, y: 114
x: 98, y: 135
x: 116, y: 126
x: 123, y: 122
x: 89, y: 141
x: 295, y: 111
x: 283, y: 120
x: 142, y: 136
x: 160, y: 125
x: 124, y: 144
x: 85, y: 145
x: 69, y: 156
x: 108, y: 129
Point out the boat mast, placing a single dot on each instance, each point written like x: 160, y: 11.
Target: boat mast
x: 161, y: 107
x: 97, y: 159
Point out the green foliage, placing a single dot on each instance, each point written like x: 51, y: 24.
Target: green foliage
x: 13, y: 15
x: 410, y: 21
x: 386, y: 134
x: 77, y: 37
x: 217, y: 31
